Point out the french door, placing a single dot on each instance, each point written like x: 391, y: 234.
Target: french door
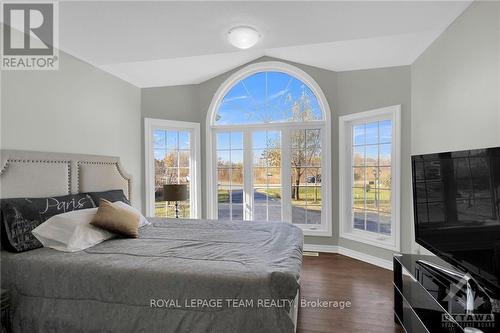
x: 269, y: 173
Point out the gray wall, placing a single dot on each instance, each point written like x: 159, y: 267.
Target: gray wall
x: 76, y: 109
x: 455, y: 85
x: 346, y: 92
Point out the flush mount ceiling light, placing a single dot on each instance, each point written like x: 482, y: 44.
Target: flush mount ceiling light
x: 243, y: 37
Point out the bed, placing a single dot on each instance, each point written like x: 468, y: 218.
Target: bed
x: 178, y: 276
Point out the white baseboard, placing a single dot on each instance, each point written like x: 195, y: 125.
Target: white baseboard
x: 387, y: 264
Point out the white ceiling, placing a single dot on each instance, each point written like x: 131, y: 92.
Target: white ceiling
x: 171, y: 43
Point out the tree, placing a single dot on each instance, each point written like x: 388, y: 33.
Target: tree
x: 306, y: 144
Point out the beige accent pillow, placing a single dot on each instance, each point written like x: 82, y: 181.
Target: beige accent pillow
x: 116, y: 219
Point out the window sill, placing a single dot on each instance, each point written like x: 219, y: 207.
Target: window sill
x: 319, y: 230
x: 369, y: 238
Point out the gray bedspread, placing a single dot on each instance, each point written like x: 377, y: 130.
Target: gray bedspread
x: 178, y: 276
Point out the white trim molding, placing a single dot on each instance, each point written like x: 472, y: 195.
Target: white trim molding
x: 325, y: 229
x: 347, y: 231
x: 384, y: 263
x: 150, y: 125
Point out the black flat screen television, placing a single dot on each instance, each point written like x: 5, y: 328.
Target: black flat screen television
x: 456, y: 198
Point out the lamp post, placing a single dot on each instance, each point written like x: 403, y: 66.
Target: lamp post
x: 175, y: 192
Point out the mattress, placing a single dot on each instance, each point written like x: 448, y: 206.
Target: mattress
x: 178, y: 276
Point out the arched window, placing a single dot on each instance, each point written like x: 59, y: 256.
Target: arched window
x: 268, y: 149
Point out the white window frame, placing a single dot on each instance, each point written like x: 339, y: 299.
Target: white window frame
x: 325, y: 229
x: 151, y: 124
x: 345, y: 175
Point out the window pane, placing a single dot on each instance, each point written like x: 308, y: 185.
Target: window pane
x: 385, y: 223
x: 358, y: 134
x: 371, y: 178
x: 223, y: 176
x: 298, y: 139
x: 224, y: 212
x: 259, y: 196
x: 236, y: 195
x: 273, y: 195
x: 298, y: 212
x: 268, y: 97
x: 359, y: 219
x: 223, y: 158
x: 171, y: 158
x: 259, y: 158
x: 237, y: 177
x: 184, y: 176
x: 171, y: 176
x: 358, y: 155
x: 184, y: 157
x: 385, y: 154
x: 223, y: 194
x: 259, y: 140
x: 223, y: 140
x: 372, y: 133
x: 260, y: 213
x: 314, y: 214
x: 159, y: 139
x: 274, y: 176
x: 385, y: 177
x: 371, y: 199
x: 273, y: 156
x: 274, y: 213
x: 372, y: 221
x: 313, y: 195
x: 236, y: 140
x: 385, y: 130
x: 237, y: 212
x: 273, y: 139
x: 172, y: 139
x: 372, y: 155
x: 385, y: 202
x: 237, y: 158
x: 359, y: 177
x: 260, y: 177
x: 184, y: 140
x: 312, y: 156
x: 313, y: 138
x: 184, y: 209
x: 358, y: 198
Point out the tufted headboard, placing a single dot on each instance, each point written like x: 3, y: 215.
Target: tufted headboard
x: 42, y: 174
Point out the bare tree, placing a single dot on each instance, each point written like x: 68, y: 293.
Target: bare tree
x: 306, y: 144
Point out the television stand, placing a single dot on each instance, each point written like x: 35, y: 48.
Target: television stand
x: 431, y: 295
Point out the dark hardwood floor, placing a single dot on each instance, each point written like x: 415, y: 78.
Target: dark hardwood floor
x: 336, y: 277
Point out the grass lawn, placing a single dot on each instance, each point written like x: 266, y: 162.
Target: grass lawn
x: 383, y: 197
x: 160, y: 210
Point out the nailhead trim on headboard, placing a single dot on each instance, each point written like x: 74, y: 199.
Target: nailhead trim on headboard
x: 117, y: 166
x: 4, y: 167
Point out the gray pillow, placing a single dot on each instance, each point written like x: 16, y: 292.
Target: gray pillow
x: 19, y: 216
x: 111, y: 196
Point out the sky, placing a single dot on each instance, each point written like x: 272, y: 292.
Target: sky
x: 264, y: 97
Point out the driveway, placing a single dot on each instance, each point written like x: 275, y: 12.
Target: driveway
x: 298, y: 213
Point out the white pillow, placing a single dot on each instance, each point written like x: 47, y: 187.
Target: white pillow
x: 71, y: 231
x: 142, y: 220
